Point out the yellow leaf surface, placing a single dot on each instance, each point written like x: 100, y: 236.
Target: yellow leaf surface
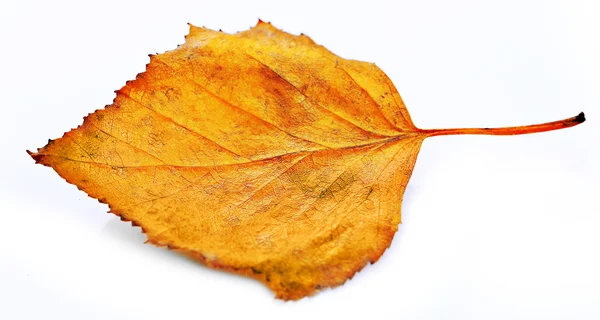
x: 261, y: 153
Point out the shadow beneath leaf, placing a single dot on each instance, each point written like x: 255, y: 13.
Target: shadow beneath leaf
x: 125, y: 233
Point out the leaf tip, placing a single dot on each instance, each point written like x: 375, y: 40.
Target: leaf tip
x: 35, y: 156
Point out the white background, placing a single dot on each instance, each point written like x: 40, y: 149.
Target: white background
x: 494, y: 227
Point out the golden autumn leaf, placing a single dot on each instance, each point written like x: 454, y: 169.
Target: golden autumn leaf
x: 260, y: 153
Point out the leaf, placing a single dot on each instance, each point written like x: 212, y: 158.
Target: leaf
x: 260, y: 153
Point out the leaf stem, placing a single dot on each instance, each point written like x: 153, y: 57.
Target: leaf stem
x: 507, y: 131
